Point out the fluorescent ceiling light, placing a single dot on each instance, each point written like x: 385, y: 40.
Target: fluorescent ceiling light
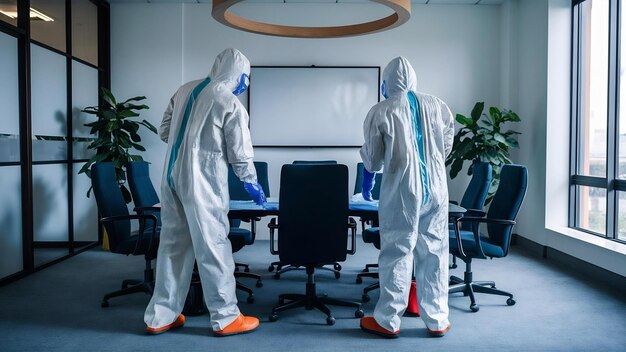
x: 34, y: 14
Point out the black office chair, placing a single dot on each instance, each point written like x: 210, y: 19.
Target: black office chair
x: 116, y: 220
x: 371, y: 234
x: 278, y: 266
x: 311, y: 234
x: 495, y: 243
x: 240, y: 237
x: 475, y: 195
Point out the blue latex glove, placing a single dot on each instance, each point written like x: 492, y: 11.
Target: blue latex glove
x: 368, y: 184
x: 256, y: 193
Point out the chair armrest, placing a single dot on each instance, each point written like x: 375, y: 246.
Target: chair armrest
x: 476, y: 233
x: 487, y: 220
x: 475, y: 213
x: 273, y: 226
x: 151, y: 217
x: 352, y: 227
x: 459, y: 243
x: 142, y: 209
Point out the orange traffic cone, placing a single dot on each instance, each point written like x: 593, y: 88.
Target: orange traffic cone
x: 413, y: 307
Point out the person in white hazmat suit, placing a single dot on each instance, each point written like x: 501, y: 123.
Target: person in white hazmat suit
x: 409, y: 134
x: 206, y: 128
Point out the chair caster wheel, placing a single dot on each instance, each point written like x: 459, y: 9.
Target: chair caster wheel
x: 276, y: 276
x: 359, y: 313
x: 337, y: 267
x: 259, y: 283
x: 359, y: 280
x: 250, y: 299
x: 365, y: 298
x: 270, y: 268
x: 330, y: 320
x: 273, y: 317
x: 337, y: 275
x: 453, y: 266
x: 104, y: 303
x: 474, y: 308
x: 510, y: 302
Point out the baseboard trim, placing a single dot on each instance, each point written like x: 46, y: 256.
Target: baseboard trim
x: 577, y: 267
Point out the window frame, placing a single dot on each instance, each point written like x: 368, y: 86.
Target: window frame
x: 611, y: 183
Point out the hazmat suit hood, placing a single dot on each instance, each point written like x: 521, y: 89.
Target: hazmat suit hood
x: 399, y: 77
x: 228, y: 67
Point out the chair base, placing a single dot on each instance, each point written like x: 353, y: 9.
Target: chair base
x: 278, y: 266
x: 141, y: 286
x: 242, y: 287
x: 367, y: 273
x: 133, y: 286
x: 311, y: 300
x: 246, y: 267
x: 468, y: 287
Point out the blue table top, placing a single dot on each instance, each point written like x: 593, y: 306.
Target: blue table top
x: 355, y: 206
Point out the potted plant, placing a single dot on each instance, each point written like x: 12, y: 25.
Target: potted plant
x: 482, y: 138
x: 117, y: 135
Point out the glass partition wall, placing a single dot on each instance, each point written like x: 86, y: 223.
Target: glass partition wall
x: 54, y: 56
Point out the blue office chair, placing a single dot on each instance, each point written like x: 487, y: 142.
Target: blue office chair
x: 116, y: 220
x: 311, y: 235
x: 470, y: 244
x: 475, y: 195
x: 238, y: 236
x: 278, y: 265
x: 142, y: 190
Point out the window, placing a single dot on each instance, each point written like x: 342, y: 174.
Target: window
x: 45, y: 215
x: 598, y: 162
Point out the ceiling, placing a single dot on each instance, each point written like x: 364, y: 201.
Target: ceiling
x: 452, y: 2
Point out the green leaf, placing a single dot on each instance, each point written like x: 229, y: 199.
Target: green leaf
x: 511, y: 116
x: 136, y: 158
x: 127, y: 113
x: 93, y: 110
x: 149, y: 125
x: 495, y: 115
x: 477, y: 111
x: 512, y: 142
x: 135, y: 107
x: 510, y: 132
x: 108, y: 96
x: 464, y: 120
x: 108, y: 115
x: 126, y: 194
x: 500, y: 138
x: 139, y: 98
x: 138, y: 147
x: 135, y: 137
x: 457, y: 165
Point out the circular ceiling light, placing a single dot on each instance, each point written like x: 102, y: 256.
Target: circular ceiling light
x: 401, y: 8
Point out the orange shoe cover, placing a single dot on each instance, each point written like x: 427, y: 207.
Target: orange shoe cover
x: 439, y: 333
x: 240, y: 325
x: 179, y: 322
x: 369, y: 324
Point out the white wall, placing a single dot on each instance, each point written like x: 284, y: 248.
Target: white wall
x: 541, y: 39
x: 455, y: 50
x: 515, y: 55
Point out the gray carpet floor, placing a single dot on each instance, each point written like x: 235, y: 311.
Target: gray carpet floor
x: 58, y: 309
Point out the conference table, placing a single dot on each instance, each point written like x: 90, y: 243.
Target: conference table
x: 243, y: 209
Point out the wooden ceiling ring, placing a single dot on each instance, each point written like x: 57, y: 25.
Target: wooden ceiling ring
x: 401, y: 8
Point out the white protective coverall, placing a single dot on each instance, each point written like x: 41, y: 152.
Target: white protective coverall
x: 194, y: 192
x: 412, y: 226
